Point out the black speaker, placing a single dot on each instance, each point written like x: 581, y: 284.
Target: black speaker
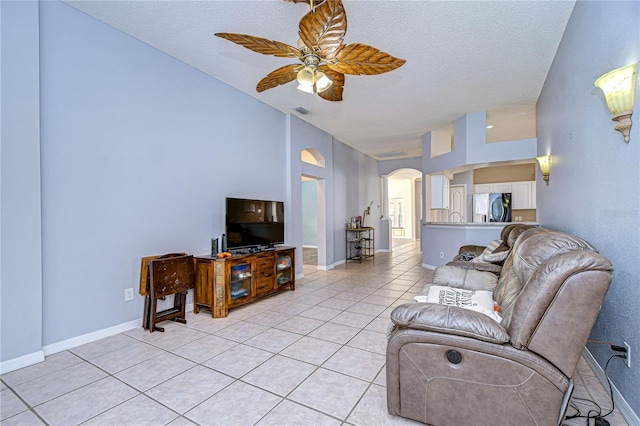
x: 224, y: 242
x: 214, y: 246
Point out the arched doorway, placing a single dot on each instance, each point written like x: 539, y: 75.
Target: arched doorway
x: 404, y: 206
x: 313, y: 211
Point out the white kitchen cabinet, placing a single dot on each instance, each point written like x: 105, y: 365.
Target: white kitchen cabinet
x: 501, y: 187
x: 533, y: 195
x: 492, y: 188
x: 484, y: 188
x: 439, y: 192
x: 523, y: 195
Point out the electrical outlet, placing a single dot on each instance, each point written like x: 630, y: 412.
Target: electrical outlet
x: 128, y: 294
x: 441, y: 255
x: 628, y: 360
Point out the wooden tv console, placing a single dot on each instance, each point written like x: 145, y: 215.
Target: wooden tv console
x: 222, y: 284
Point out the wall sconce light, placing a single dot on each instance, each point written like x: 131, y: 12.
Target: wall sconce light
x: 544, y: 161
x: 619, y: 89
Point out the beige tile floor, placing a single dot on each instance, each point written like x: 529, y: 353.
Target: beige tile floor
x: 314, y: 356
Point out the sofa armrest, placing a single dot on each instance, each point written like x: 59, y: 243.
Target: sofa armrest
x: 450, y: 320
x: 471, y: 249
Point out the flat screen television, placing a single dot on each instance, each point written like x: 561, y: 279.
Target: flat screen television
x: 253, y: 223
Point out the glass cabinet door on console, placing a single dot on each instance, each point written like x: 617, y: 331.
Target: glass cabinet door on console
x: 240, y: 282
x: 284, y: 270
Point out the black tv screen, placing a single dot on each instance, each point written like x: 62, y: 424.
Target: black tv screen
x: 251, y: 223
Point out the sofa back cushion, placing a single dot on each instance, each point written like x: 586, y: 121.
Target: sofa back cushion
x: 537, y: 249
x: 504, y: 234
x: 561, y: 298
x: 469, y: 279
x: 509, y: 285
x: 514, y: 232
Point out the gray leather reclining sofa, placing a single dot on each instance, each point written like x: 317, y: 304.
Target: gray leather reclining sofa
x: 448, y: 365
x: 508, y: 237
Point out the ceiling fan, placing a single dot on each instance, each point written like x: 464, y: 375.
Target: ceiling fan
x: 325, y: 58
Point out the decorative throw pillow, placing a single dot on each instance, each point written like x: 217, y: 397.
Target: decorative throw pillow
x: 492, y: 257
x: 475, y: 300
x: 495, y: 252
x: 493, y: 245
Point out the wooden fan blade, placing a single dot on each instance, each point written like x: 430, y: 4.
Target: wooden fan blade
x: 325, y: 27
x: 316, y: 2
x: 262, y: 45
x: 280, y: 76
x: 333, y: 93
x: 358, y: 59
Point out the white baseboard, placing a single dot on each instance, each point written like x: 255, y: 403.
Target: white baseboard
x: 21, y: 362
x: 339, y: 262
x: 91, y: 337
x: 309, y: 246
x: 36, y: 357
x: 299, y: 276
x: 383, y: 251
x: 326, y: 268
x: 621, y: 404
x: 426, y: 265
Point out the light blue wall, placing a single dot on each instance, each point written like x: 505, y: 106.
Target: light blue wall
x: 448, y: 240
x: 348, y: 179
x: 21, y: 245
x: 470, y: 147
x: 369, y: 191
x: 139, y: 152
x: 136, y: 153
x: 300, y: 136
x: 594, y: 187
x: 310, y: 213
x: 386, y: 167
x: 345, y: 205
x: 455, y: 158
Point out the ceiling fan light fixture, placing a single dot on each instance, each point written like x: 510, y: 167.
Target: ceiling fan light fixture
x: 311, y: 80
x: 322, y: 81
x: 306, y: 76
x: 305, y: 88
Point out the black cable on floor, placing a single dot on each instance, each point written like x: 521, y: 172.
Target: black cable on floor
x: 613, y: 406
x: 597, y: 412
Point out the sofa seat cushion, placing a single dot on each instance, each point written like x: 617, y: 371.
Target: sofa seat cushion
x: 450, y: 320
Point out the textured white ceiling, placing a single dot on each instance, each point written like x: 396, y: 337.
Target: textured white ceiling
x: 462, y: 56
